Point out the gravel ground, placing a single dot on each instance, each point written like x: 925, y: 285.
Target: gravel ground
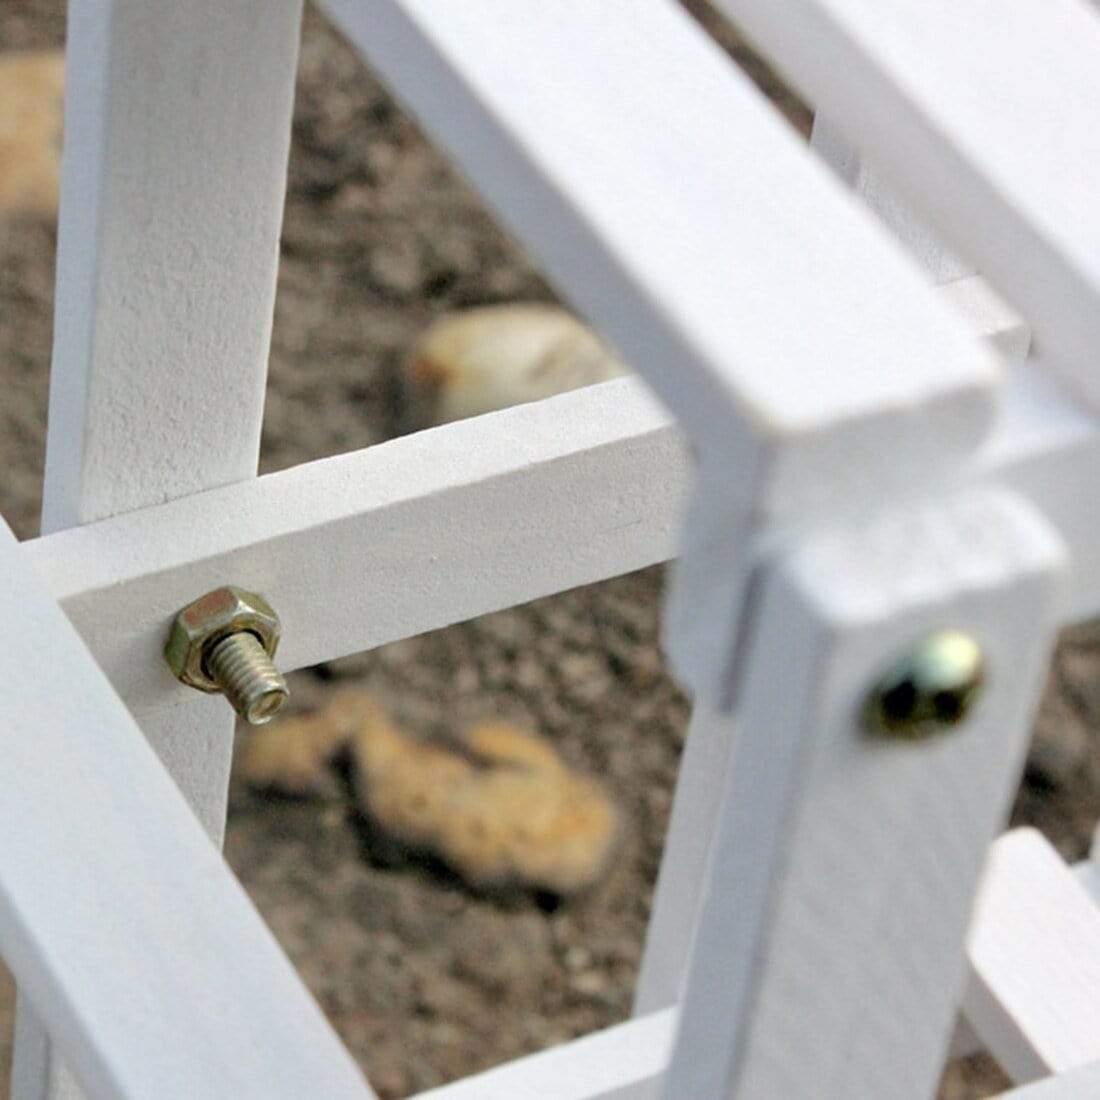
x: 425, y: 981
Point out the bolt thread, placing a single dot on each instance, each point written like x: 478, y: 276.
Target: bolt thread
x: 244, y: 671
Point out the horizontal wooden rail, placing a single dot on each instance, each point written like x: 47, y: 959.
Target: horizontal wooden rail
x: 366, y: 548
x: 984, y: 116
x: 625, y: 1062
x: 362, y: 549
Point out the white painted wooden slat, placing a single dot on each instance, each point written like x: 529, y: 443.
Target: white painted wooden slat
x: 722, y: 259
x: 983, y: 115
x: 1032, y: 996
x: 699, y: 786
x: 828, y: 959
x: 364, y: 548
x: 1079, y: 1084
x: 702, y: 775
x: 359, y: 550
x: 177, y: 130
x: 620, y: 1063
x: 153, y: 972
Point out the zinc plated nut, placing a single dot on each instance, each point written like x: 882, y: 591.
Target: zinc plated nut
x: 224, y: 642
x: 929, y: 690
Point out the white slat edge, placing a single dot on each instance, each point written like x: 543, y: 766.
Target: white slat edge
x: 714, y: 250
x: 1032, y: 997
x: 620, y: 1063
x: 149, y: 966
x: 830, y: 939
x: 983, y: 115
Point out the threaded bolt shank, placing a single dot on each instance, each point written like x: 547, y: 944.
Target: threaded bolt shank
x: 247, y: 676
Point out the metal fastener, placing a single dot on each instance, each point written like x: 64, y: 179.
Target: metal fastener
x: 929, y: 690
x: 224, y: 642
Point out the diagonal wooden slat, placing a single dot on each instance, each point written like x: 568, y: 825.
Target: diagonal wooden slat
x: 140, y: 952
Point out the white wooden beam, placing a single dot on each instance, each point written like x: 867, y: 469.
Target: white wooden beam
x: 1033, y: 426
x: 153, y: 972
x: 177, y: 129
x: 984, y: 118
x: 663, y: 223
x: 830, y: 939
x: 1034, y: 955
x: 359, y: 550
x: 1075, y: 1085
x: 620, y: 1063
x: 364, y: 548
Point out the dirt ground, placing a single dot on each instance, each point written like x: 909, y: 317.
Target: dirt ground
x: 425, y: 981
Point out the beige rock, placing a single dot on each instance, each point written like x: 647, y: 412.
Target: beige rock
x: 31, y: 113
x: 501, y: 810
x: 494, y: 357
x: 293, y: 755
x: 505, y: 812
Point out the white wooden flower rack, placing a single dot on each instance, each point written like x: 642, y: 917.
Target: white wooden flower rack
x: 866, y: 450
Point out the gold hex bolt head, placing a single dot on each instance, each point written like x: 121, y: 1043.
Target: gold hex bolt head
x: 931, y: 689
x: 224, y: 642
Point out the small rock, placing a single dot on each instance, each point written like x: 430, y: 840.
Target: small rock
x: 505, y: 812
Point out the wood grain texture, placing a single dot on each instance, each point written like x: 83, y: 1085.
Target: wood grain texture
x: 984, y: 118
x: 152, y: 971
x: 830, y: 936
x: 177, y: 128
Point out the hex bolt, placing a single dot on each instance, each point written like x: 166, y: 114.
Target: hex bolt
x: 931, y: 689
x: 224, y: 642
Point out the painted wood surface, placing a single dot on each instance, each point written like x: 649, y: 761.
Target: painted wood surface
x: 830, y: 937
x: 619, y: 1063
x: 1075, y: 1085
x: 153, y: 972
x: 1034, y: 961
x: 364, y: 548
x: 983, y: 116
x: 898, y: 216
x: 660, y: 222
x: 590, y: 484
x: 177, y: 129
x: 360, y: 549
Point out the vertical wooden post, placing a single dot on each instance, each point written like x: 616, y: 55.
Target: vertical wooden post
x: 177, y: 129
x: 828, y: 958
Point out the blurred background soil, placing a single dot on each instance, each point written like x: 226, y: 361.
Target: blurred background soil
x: 424, y: 980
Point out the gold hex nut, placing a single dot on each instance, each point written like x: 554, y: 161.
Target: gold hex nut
x: 201, y: 625
x: 931, y: 689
